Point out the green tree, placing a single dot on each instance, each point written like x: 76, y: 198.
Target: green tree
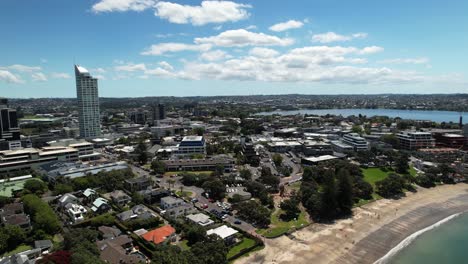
x: 211, y: 251
x: 158, y: 167
x: 245, y: 174
x: 142, y: 152
x: 35, y: 186
x: 61, y: 188
x: 215, y: 188
x: 345, y: 192
x: 401, y: 163
x: 277, y: 159
x: 391, y: 186
x: 290, y: 208
x: 253, y: 212
x: 329, y: 194
x: 195, y: 234
x: 16, y: 235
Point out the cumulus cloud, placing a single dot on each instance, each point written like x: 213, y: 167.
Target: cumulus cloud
x: 291, y: 24
x: 162, y: 48
x: 8, y: 77
x: 100, y: 77
x: 334, y: 37
x: 206, y: 12
x: 165, y: 65
x: 39, y: 77
x: 60, y: 75
x: 422, y: 60
x: 131, y: 67
x: 122, y: 5
x: 214, y: 55
x: 263, y: 52
x: 98, y: 70
x: 159, y: 72
x: 242, y: 37
x: 22, y: 68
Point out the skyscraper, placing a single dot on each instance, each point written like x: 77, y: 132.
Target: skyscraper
x: 9, y: 129
x: 88, y: 103
x: 159, y: 112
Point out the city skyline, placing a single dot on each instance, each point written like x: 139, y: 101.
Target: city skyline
x: 184, y: 48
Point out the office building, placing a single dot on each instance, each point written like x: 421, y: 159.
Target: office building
x: 159, y: 112
x: 9, y: 129
x: 192, y: 145
x: 415, y: 140
x: 357, y: 142
x: 207, y: 164
x: 88, y: 103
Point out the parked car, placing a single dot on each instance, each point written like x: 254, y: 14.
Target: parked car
x: 237, y: 222
x: 204, y: 206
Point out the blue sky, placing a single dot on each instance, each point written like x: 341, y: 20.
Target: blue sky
x: 188, y: 48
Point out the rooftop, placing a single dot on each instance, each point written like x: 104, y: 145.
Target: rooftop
x: 159, y: 235
x: 222, y: 231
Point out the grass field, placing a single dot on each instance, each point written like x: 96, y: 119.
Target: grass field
x: 246, y: 243
x: 19, y: 249
x: 279, y: 227
x: 183, y: 245
x: 170, y: 173
x: 184, y: 194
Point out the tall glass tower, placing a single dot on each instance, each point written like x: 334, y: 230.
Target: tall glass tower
x: 88, y: 103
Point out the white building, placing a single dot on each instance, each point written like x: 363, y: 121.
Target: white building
x: 200, y: 219
x: 192, y: 145
x: 357, y: 142
x: 88, y: 103
x: 76, y: 212
x: 415, y: 140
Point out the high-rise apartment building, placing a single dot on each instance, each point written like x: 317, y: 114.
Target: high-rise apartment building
x: 88, y: 103
x: 159, y: 112
x: 9, y: 129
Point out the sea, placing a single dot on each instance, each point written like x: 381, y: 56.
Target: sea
x: 435, y: 116
x: 445, y: 242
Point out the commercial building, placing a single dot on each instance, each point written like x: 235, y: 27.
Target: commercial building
x: 317, y: 160
x: 12, y: 161
x: 165, y: 130
x: 450, y: 140
x: 159, y: 112
x: 341, y: 147
x: 71, y: 170
x: 85, y: 149
x: 415, y: 140
x: 207, y: 164
x: 9, y: 129
x: 138, y: 117
x: 357, y: 142
x: 88, y: 103
x: 316, y: 148
x: 191, y: 145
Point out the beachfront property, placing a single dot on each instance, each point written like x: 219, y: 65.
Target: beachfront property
x: 228, y: 234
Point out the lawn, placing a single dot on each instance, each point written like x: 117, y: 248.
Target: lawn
x: 170, y: 173
x: 373, y: 175
x: 19, y: 249
x: 246, y: 243
x: 183, y: 245
x: 279, y: 227
x: 295, y: 186
x: 184, y: 194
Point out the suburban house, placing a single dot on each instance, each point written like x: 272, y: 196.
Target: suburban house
x: 118, y: 250
x: 137, y: 212
x: 228, y: 234
x: 200, y: 219
x: 120, y: 198
x: 160, y: 235
x: 100, y: 206
x: 109, y: 232
x: 137, y: 184
x: 13, y: 214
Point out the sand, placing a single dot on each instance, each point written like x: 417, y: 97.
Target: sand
x: 373, y: 230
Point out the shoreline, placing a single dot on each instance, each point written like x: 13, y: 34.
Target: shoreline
x: 373, y: 231
x: 408, y: 240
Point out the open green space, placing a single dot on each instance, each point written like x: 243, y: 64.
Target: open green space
x: 184, y: 194
x: 19, y: 249
x: 279, y: 227
x: 171, y: 173
x: 8, y: 188
x: 246, y: 243
x: 183, y: 245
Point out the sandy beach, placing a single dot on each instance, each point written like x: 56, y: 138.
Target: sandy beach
x: 373, y: 230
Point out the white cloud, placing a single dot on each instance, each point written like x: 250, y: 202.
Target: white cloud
x: 333, y: 37
x: 251, y: 27
x: 23, y: 68
x: 160, y: 72
x: 165, y: 65
x: 60, y: 75
x: 122, y: 5
x: 9, y: 77
x: 263, y: 52
x: 291, y: 24
x: 422, y: 60
x: 242, y: 37
x: 218, y: 27
x: 43, y: 60
x: 39, y: 77
x: 98, y: 70
x: 207, y: 12
x: 131, y: 67
x: 100, y: 77
x: 214, y: 55
x: 371, y: 50
x: 161, y: 48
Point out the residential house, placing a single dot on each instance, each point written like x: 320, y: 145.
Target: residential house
x: 100, y: 206
x: 137, y: 212
x: 109, y: 232
x: 200, y: 219
x: 160, y: 235
x: 118, y: 250
x: 228, y: 234
x: 137, y: 184
x: 120, y: 198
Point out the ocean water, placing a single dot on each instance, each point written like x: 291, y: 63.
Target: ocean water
x: 445, y: 244
x: 436, y: 116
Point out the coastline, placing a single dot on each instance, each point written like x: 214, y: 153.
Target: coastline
x: 373, y: 231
